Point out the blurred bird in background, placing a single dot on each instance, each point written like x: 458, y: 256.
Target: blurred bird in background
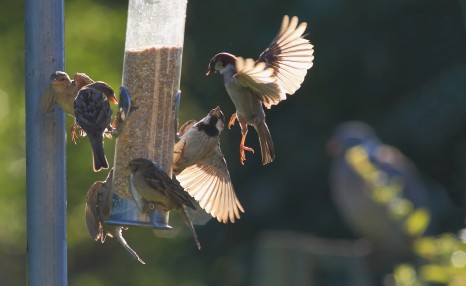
x: 98, y: 204
x: 160, y: 191
x: 93, y: 114
x: 279, y: 71
x: 378, y: 192
x: 200, y: 167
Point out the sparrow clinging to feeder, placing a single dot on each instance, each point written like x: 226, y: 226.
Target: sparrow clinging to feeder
x: 124, y: 106
x: 98, y: 203
x: 280, y: 70
x: 160, y: 191
x: 62, y: 91
x: 201, y: 169
x: 93, y: 114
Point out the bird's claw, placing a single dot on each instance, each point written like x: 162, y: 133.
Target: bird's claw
x: 232, y: 120
x: 76, y: 132
x: 242, y: 155
x: 108, y: 133
x: 73, y: 134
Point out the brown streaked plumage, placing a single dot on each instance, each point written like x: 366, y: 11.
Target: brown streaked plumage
x: 156, y: 187
x: 93, y: 114
x: 98, y: 204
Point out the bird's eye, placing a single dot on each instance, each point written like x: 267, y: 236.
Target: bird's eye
x: 62, y: 79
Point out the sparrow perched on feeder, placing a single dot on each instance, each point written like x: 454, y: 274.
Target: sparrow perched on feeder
x: 201, y: 169
x: 280, y: 70
x: 98, y: 203
x: 163, y: 193
x: 93, y: 114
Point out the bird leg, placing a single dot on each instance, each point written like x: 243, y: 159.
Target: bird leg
x: 242, y: 148
x: 232, y: 120
x: 73, y: 133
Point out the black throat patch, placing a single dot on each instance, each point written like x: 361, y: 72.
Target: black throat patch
x: 210, y: 129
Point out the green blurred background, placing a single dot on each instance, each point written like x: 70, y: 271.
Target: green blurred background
x: 397, y: 65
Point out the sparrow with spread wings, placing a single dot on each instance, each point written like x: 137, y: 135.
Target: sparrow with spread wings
x: 279, y: 71
x: 200, y: 167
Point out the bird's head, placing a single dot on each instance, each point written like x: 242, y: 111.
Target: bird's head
x: 213, y: 123
x: 349, y: 134
x: 60, y: 79
x: 219, y: 62
x: 139, y: 164
x: 106, y: 89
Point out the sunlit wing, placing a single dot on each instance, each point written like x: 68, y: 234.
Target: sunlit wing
x: 210, y: 184
x: 289, y: 55
x: 259, y: 80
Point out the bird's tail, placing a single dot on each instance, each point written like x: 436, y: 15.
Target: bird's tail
x: 265, y: 139
x: 97, y: 144
x: 188, y: 222
x: 117, y: 233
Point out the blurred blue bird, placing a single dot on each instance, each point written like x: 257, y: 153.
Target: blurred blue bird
x: 377, y: 190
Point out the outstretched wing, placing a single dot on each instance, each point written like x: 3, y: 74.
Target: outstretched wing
x: 210, y: 184
x: 289, y: 55
x: 260, y: 80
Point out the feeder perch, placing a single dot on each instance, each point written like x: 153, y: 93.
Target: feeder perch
x: 151, y: 74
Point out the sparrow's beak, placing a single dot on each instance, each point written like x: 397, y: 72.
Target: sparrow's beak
x: 217, y: 112
x: 208, y: 72
x: 112, y: 99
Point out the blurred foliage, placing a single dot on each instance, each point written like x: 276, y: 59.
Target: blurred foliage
x: 442, y: 259
x: 443, y: 263
x: 398, y: 65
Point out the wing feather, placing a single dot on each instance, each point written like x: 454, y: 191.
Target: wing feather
x: 210, y: 184
x: 288, y: 48
x: 259, y: 79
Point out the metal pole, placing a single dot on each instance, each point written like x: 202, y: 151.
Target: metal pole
x: 45, y: 147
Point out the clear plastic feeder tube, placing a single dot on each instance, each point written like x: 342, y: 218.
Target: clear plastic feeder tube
x: 151, y: 73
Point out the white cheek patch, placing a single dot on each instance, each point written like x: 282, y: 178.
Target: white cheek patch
x: 219, y: 125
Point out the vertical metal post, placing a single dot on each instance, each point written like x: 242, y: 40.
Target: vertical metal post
x: 45, y: 147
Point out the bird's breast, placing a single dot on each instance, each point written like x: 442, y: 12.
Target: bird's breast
x: 248, y: 107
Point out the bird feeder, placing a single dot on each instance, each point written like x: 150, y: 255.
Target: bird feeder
x: 151, y: 74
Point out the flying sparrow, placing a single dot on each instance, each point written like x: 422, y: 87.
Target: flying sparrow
x: 280, y: 70
x: 98, y: 203
x: 161, y: 192
x: 93, y: 114
x: 201, y: 169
